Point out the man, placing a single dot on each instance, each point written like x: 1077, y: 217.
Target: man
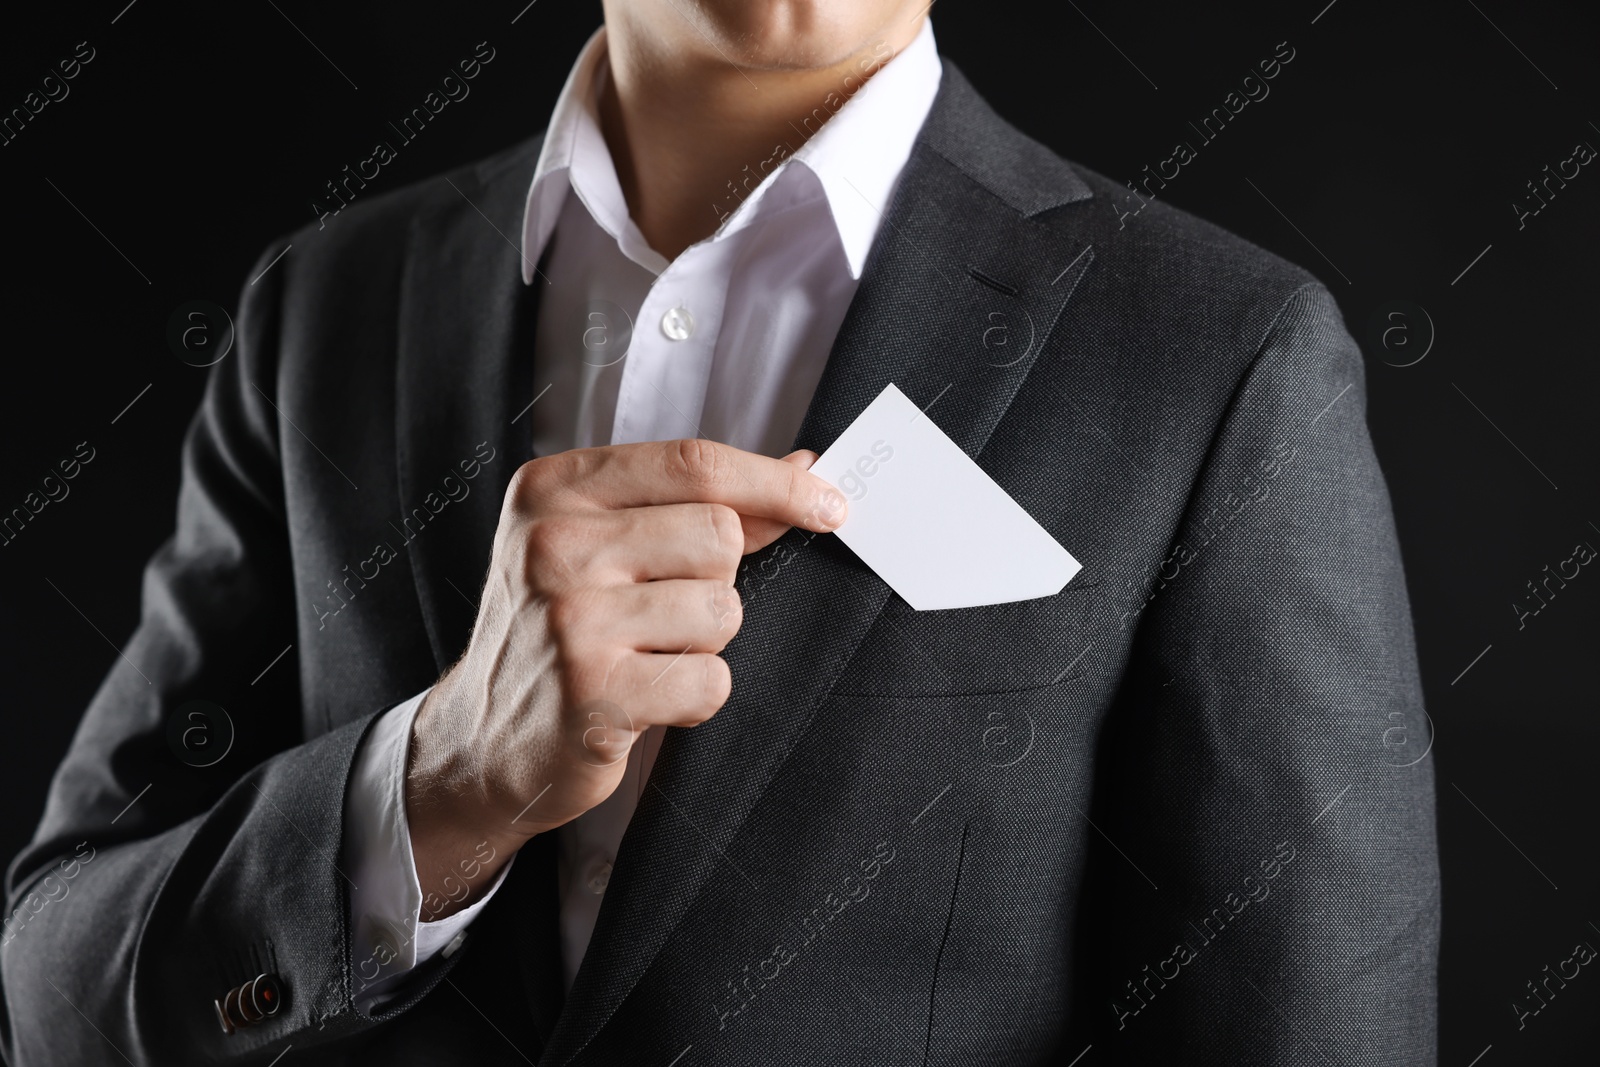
x: 680, y: 780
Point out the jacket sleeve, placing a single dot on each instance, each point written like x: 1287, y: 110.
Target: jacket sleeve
x: 1267, y: 765
x: 153, y: 885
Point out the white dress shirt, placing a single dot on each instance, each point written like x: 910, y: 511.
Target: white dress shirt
x: 726, y: 342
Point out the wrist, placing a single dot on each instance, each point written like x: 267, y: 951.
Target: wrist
x: 456, y: 875
x: 450, y: 789
x: 460, y: 837
x: 456, y: 859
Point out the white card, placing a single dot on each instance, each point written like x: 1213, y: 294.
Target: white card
x: 927, y: 519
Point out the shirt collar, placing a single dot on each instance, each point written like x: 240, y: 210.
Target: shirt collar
x: 856, y: 157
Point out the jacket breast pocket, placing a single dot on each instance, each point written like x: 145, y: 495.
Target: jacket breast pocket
x: 995, y: 648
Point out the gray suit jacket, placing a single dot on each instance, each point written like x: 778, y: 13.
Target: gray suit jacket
x: 1179, y: 810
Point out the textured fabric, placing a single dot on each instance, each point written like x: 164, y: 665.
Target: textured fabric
x: 953, y: 837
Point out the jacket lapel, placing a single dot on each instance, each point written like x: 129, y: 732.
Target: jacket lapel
x: 464, y: 375
x: 961, y: 290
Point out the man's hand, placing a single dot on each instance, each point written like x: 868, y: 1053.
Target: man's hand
x: 609, y: 596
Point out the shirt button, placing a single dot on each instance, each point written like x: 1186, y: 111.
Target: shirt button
x: 599, y: 878
x: 677, y: 323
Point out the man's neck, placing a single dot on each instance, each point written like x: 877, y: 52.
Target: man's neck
x: 691, y: 138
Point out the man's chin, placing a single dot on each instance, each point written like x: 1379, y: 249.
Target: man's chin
x: 793, y: 35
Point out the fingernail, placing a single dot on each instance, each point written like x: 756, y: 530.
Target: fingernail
x: 831, y: 508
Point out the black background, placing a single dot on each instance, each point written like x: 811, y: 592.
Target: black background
x: 1392, y: 149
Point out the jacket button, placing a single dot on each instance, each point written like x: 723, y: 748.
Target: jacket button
x: 248, y: 1004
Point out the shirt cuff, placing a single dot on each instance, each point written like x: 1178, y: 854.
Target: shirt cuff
x: 388, y: 938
